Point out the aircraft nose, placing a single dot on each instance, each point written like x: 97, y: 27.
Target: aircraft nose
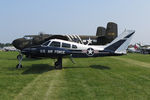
x: 20, y: 43
x: 16, y: 43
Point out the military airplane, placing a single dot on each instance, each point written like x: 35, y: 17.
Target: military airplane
x: 58, y: 49
x: 103, y: 37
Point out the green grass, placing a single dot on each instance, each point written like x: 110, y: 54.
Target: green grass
x: 105, y: 78
x: 139, y: 57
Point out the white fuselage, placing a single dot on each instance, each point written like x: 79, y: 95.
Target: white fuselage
x: 79, y: 46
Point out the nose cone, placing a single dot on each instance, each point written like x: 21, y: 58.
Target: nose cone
x: 17, y: 44
x: 20, y: 43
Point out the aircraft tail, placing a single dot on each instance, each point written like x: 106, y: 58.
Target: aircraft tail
x: 121, y: 43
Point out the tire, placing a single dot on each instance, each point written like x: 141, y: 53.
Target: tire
x: 17, y: 66
x: 56, y: 65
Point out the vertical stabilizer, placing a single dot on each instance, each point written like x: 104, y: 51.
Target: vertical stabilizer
x: 120, y: 44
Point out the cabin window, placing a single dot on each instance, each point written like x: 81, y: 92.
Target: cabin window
x: 46, y: 43
x: 55, y: 44
x: 66, y: 45
x: 28, y: 38
x: 74, y: 46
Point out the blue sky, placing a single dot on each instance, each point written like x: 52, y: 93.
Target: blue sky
x: 22, y: 17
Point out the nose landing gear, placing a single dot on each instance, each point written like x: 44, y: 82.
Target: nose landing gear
x: 19, y: 57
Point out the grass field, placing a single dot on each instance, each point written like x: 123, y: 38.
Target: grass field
x: 104, y: 78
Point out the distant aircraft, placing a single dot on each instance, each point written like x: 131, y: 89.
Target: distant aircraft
x: 145, y: 49
x: 138, y: 48
x: 9, y: 48
x: 58, y: 49
x: 134, y: 48
x: 103, y: 37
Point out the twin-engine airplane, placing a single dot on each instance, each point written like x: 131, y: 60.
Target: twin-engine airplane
x: 103, y: 36
x: 58, y: 49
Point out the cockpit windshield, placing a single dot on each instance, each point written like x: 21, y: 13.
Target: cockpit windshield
x: 28, y: 37
x: 46, y: 43
x: 55, y: 44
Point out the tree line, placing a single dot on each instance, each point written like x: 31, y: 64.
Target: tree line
x: 5, y: 44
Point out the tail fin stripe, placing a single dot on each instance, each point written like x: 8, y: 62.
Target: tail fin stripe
x: 116, y: 45
x: 129, y: 35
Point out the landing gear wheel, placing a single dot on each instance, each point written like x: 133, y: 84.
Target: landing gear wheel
x: 58, y: 63
x: 19, y: 66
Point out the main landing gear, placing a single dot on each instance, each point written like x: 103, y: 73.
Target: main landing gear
x: 19, y: 57
x: 58, y: 63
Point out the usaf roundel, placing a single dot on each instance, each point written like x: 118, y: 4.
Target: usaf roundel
x: 90, y: 52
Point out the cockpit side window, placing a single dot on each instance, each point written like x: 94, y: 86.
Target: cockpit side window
x: 66, y: 45
x: 55, y: 44
x: 46, y: 43
x: 28, y: 38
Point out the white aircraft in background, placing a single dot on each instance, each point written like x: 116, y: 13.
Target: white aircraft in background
x: 134, y: 48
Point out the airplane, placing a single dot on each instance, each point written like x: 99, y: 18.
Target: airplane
x: 144, y: 49
x: 9, y: 48
x: 138, y: 48
x: 59, y: 49
x: 134, y: 48
x: 103, y: 37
